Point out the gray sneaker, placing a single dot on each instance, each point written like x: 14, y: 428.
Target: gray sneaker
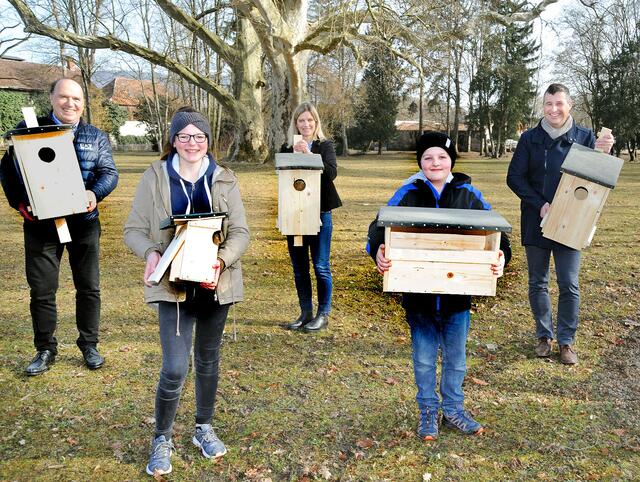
x: 160, y: 458
x: 208, y: 442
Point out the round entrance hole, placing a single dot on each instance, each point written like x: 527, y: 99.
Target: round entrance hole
x: 581, y: 193
x: 47, y: 154
x: 299, y: 185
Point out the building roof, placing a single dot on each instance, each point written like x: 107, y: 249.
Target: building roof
x: 128, y: 92
x: 28, y: 76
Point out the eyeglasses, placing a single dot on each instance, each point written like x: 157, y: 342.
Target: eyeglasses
x: 199, y: 138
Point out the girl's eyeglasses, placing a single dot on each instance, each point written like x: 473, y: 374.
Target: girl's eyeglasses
x: 199, y: 138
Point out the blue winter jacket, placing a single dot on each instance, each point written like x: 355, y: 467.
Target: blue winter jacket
x: 534, y: 175
x: 419, y: 192
x: 94, y: 156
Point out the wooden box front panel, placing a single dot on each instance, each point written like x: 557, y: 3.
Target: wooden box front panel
x: 197, y: 255
x: 50, y: 169
x: 298, y: 210
x: 574, y: 211
x: 441, y: 262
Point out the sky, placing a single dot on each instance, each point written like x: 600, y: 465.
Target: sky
x: 549, y: 38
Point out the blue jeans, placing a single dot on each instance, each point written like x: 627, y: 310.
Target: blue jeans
x: 320, y: 247
x: 567, y: 263
x: 430, y: 332
x: 202, y: 311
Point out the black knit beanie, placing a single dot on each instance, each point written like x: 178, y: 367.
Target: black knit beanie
x: 182, y: 119
x: 435, y: 139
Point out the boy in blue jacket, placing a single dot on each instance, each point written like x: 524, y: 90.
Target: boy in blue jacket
x: 437, y: 321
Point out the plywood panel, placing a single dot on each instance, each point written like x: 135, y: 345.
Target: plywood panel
x: 574, y: 211
x: 492, y: 241
x: 198, y: 253
x: 298, y: 210
x: 440, y: 278
x: 402, y: 239
x: 445, y: 256
x: 53, y: 179
x: 168, y: 256
x: 441, y: 262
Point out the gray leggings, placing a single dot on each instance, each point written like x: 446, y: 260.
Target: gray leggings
x: 202, y: 310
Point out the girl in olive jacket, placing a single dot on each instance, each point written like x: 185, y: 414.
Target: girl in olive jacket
x: 188, y: 181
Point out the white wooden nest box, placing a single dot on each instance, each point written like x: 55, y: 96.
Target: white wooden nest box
x: 587, y: 178
x: 441, y: 251
x: 194, y: 249
x: 50, y: 171
x: 298, y: 194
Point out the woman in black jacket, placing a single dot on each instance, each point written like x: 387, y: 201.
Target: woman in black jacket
x: 305, y: 122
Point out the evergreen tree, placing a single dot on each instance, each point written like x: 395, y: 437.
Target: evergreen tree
x: 502, y: 88
x: 617, y: 100
x: 377, y: 106
x: 516, y: 91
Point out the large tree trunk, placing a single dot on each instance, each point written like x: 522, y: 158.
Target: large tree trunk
x: 288, y: 76
x: 249, y: 142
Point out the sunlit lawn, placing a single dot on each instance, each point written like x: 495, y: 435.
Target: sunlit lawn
x: 339, y: 405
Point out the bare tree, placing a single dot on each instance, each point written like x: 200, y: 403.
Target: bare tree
x: 274, y: 37
x: 9, y: 38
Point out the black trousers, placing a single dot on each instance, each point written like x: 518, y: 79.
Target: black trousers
x: 43, y: 252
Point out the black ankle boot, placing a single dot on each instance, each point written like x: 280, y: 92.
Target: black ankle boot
x: 318, y: 323
x: 304, y: 318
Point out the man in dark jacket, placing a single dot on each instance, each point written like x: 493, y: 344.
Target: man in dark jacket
x: 534, y: 175
x: 43, y: 249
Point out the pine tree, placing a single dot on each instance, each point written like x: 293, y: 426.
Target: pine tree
x: 617, y: 101
x: 516, y: 91
x: 502, y: 88
x: 377, y: 107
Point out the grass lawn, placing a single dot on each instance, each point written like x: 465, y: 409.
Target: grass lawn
x: 338, y: 405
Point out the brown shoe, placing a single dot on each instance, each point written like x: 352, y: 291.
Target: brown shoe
x: 567, y: 355
x: 543, y: 349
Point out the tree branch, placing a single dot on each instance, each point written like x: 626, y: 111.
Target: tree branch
x: 526, y: 16
x: 209, y: 11
x: 325, y: 37
x: 17, y: 41
x: 33, y: 25
x: 228, y: 53
x: 270, y: 14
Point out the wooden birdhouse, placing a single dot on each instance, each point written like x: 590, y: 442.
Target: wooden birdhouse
x: 50, y: 171
x: 193, y: 251
x: 298, y: 194
x: 587, y: 178
x: 442, y: 251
